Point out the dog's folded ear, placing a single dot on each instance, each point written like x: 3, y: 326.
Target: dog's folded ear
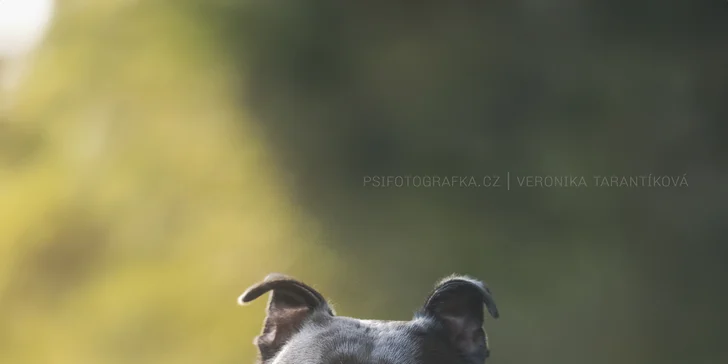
x: 291, y: 303
x: 457, y: 303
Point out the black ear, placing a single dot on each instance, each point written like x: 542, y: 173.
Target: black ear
x: 457, y: 303
x: 290, y: 304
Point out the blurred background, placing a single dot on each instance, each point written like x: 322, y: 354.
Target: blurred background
x: 158, y: 157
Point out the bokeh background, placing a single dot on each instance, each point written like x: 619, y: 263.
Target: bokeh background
x: 158, y: 157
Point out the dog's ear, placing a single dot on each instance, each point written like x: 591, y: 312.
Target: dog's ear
x: 457, y: 304
x: 290, y: 304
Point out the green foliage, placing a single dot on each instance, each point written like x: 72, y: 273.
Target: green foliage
x: 161, y: 156
x: 145, y: 199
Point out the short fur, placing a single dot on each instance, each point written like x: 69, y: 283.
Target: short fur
x: 301, y: 328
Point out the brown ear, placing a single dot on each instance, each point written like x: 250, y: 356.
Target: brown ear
x: 290, y: 304
x: 457, y: 303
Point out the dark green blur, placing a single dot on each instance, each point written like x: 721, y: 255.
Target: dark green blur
x: 165, y: 155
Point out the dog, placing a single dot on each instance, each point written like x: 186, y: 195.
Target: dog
x: 301, y: 327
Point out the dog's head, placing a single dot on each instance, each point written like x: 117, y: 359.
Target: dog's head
x: 301, y: 328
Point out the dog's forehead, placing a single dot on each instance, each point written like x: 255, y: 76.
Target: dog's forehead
x: 382, y: 326
x: 353, y: 341
x: 378, y: 335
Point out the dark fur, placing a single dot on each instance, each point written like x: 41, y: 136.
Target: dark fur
x: 301, y: 328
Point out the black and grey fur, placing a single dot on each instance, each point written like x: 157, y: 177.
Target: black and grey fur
x: 301, y: 328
